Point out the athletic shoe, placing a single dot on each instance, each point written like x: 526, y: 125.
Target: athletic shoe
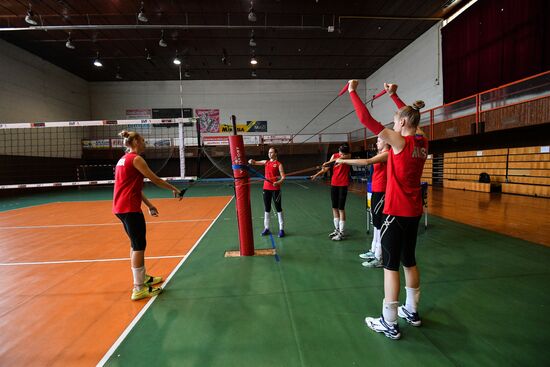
x: 151, y: 280
x: 338, y: 237
x: 333, y: 233
x: 381, y: 326
x: 374, y: 263
x: 281, y: 233
x: 145, y: 292
x: 265, y: 232
x: 367, y: 255
x: 411, y: 317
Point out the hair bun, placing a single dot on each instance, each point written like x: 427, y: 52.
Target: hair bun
x: 124, y: 133
x: 418, y: 105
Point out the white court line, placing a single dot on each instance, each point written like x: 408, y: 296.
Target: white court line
x: 150, y: 302
x: 105, y: 224
x: 88, y: 261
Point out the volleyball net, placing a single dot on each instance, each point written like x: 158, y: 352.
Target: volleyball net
x: 75, y: 153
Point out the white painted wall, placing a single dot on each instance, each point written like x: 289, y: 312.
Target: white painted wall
x: 287, y: 105
x: 417, y: 71
x: 32, y: 89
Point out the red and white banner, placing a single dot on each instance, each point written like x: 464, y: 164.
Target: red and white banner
x: 208, y: 120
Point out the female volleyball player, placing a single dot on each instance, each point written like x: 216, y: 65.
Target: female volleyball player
x: 127, y: 197
x: 275, y: 176
x: 373, y: 257
x: 403, y: 207
x: 338, y: 190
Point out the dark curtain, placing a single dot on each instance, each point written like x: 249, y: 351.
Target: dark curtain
x: 493, y: 43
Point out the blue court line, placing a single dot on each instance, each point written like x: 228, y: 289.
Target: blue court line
x: 273, y: 246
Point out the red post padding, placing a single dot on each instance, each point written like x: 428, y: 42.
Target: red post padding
x: 242, y: 195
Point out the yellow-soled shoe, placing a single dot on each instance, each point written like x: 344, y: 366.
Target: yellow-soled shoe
x: 152, y: 280
x: 145, y: 292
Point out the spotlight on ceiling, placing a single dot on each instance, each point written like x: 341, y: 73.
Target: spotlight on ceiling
x: 253, y: 60
x: 251, y: 13
x: 141, y: 15
x: 252, y: 42
x: 97, y: 61
x: 162, y: 42
x: 187, y: 74
x: 69, y: 44
x: 177, y: 60
x: 29, y: 18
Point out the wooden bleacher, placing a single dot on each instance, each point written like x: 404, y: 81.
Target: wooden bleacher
x: 523, y: 171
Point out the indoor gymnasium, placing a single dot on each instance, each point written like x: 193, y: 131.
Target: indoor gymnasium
x: 274, y: 183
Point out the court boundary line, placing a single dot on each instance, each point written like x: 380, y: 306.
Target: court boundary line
x: 104, y: 224
x: 136, y: 319
x: 87, y: 261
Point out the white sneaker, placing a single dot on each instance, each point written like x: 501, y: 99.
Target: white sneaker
x: 411, y: 317
x: 333, y: 233
x: 374, y: 263
x: 367, y: 255
x: 338, y: 237
x: 381, y: 326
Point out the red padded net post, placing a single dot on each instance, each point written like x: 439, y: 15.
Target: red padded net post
x: 242, y: 195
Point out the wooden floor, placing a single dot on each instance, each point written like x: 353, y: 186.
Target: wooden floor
x: 518, y: 216
x: 67, y: 280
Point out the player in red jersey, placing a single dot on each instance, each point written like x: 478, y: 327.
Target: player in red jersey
x: 338, y: 190
x: 127, y: 198
x: 403, y: 208
x: 275, y: 176
x: 373, y: 257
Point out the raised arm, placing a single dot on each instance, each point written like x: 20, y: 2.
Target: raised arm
x: 379, y: 158
x: 257, y: 163
x: 392, y: 92
x: 391, y: 137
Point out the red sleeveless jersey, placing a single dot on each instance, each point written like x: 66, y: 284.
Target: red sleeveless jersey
x: 340, y: 173
x: 272, y: 174
x: 128, y: 186
x: 403, y: 192
x: 379, y: 177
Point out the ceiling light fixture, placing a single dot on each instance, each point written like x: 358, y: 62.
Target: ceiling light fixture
x: 253, y: 74
x: 29, y: 18
x: 69, y: 44
x: 162, y: 42
x: 187, y: 74
x: 251, y: 13
x: 141, y: 15
x: 252, y: 42
x: 253, y: 59
x: 177, y: 60
x: 97, y: 61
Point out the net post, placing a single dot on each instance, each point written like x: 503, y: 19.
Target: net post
x: 242, y: 193
x: 181, y: 137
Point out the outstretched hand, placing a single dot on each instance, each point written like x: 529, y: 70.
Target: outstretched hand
x: 179, y: 193
x: 352, y: 85
x: 390, y: 88
x: 153, y: 211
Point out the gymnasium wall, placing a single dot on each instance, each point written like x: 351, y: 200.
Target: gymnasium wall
x: 32, y: 89
x: 286, y: 105
x: 417, y: 71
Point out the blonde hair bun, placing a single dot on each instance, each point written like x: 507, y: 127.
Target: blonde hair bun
x: 418, y: 105
x: 124, y: 133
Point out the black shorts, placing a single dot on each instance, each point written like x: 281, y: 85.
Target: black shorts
x: 377, y: 208
x: 276, y: 196
x: 338, y: 196
x: 398, y: 236
x: 134, y: 225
